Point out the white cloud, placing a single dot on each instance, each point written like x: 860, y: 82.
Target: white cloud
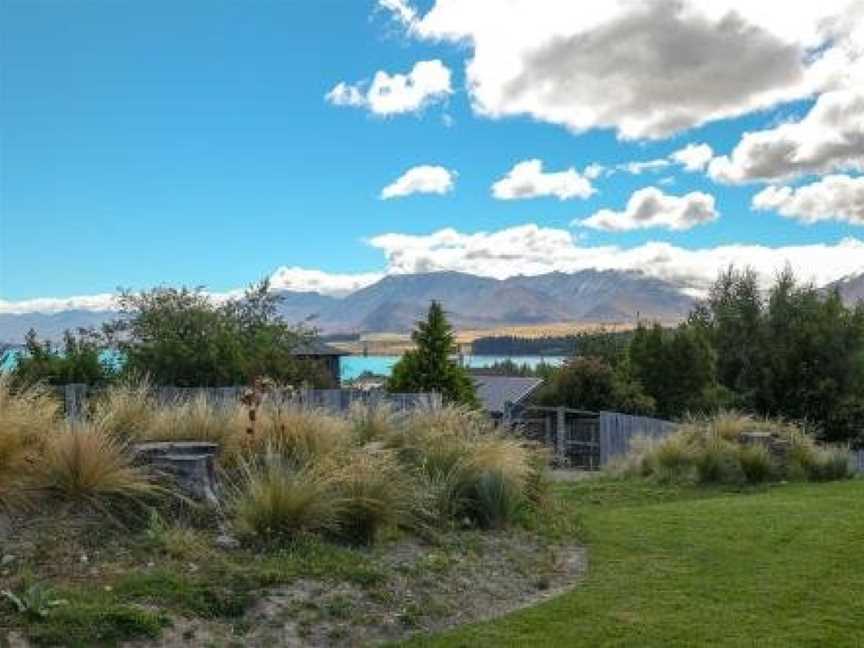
x: 528, y: 180
x: 650, y: 207
x: 531, y: 249
x: 829, y: 138
x: 101, y: 302
x: 421, y: 179
x: 426, y: 83
x: 305, y: 280
x: 647, y: 70
x: 693, y: 157
x: 594, y: 171
x: 636, y: 168
x: 834, y: 197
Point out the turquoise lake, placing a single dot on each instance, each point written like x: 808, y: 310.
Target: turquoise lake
x: 353, y: 366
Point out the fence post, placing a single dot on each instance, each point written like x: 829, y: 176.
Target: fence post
x: 561, y: 432
x: 75, y: 396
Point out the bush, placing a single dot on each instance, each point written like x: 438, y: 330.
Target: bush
x: 298, y: 435
x: 81, y: 462
x: 26, y: 418
x: 757, y: 464
x: 373, y: 491
x: 276, y: 501
x: 712, y: 451
x: 127, y: 411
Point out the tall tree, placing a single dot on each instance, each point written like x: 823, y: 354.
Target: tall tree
x: 428, y: 367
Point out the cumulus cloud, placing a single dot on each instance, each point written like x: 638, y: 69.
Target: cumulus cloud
x: 327, y: 283
x: 829, y: 138
x: 693, y: 157
x: 421, y: 179
x: 528, y: 180
x: 650, y: 207
x: 647, y: 70
x: 834, y: 197
x: 531, y: 249
x: 426, y: 83
x: 101, y: 302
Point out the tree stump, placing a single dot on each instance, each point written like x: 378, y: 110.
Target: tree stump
x: 776, y: 446
x: 191, y: 465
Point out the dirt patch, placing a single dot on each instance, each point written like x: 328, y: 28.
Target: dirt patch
x: 431, y: 588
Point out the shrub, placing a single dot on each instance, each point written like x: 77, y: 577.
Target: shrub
x: 196, y: 420
x: 127, y: 411
x: 717, y: 462
x: 82, y: 462
x: 26, y: 418
x: 276, y: 501
x: 374, y: 493
x: 371, y: 422
x: 712, y: 451
x: 757, y: 464
x: 298, y: 435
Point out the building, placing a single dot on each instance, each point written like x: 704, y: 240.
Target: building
x: 330, y: 357
x: 505, y: 394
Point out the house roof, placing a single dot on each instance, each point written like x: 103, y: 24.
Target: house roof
x: 316, y: 347
x: 495, y: 391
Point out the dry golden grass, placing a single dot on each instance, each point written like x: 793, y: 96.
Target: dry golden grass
x: 82, y: 462
x: 27, y: 417
x: 126, y: 411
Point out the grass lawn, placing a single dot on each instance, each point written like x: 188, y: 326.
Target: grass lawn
x: 682, y: 567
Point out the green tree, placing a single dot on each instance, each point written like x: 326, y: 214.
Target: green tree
x: 79, y: 359
x: 591, y: 383
x: 428, y: 367
x: 677, y: 368
x: 181, y: 337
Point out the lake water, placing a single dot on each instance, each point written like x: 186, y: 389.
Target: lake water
x: 353, y: 366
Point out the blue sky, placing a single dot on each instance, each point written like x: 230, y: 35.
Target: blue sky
x: 191, y: 143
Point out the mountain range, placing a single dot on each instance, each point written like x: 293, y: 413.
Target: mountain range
x: 396, y: 302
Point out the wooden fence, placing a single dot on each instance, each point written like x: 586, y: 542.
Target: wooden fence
x: 858, y: 460
x: 617, y: 432
x: 334, y: 400
x: 584, y: 439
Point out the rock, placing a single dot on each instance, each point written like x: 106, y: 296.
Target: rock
x: 7, y: 560
x: 226, y: 542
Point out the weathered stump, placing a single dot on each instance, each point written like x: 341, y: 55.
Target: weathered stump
x: 191, y: 465
x: 776, y: 446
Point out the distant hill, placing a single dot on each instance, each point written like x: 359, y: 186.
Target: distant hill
x: 851, y: 288
x: 396, y: 302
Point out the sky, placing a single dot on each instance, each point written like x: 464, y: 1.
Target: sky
x: 326, y: 144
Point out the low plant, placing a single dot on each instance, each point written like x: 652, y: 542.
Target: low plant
x: 371, y: 422
x: 27, y: 417
x: 298, y: 435
x: 35, y: 601
x: 275, y: 500
x: 81, y: 462
x: 373, y: 491
x: 175, y: 540
x: 127, y: 410
x: 716, y: 450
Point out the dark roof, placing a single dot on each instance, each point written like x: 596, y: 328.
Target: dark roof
x: 495, y: 391
x: 316, y: 347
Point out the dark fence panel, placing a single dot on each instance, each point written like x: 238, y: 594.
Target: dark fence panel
x: 617, y: 431
x: 334, y: 400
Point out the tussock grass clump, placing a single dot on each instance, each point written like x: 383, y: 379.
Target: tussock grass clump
x: 196, y: 420
x: 27, y: 416
x: 372, y: 423
x: 715, y: 451
x: 127, y: 411
x: 374, y: 493
x: 274, y: 500
x: 299, y: 436
x: 83, y: 463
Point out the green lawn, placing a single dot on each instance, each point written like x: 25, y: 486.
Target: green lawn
x: 683, y: 567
